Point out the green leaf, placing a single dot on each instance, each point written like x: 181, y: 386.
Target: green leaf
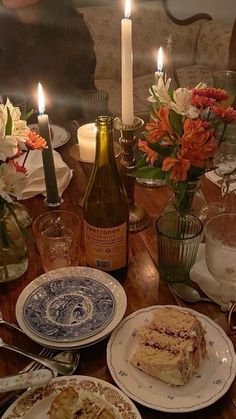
x: 28, y: 115
x: 149, y: 172
x: 180, y: 188
x: 161, y: 149
x: 159, y: 161
x: 142, y: 162
x: 8, y: 129
x: 4, y: 236
x: 176, y: 122
x: 195, y: 172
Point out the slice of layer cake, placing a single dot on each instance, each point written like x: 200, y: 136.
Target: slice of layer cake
x: 171, y: 346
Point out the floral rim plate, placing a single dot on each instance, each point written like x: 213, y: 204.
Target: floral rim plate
x: 36, y: 402
x: 59, y: 135
x: 69, y: 308
x: 213, y: 379
x: 118, y: 293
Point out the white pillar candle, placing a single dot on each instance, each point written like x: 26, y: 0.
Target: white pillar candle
x: 127, y: 68
x: 87, y: 142
x: 47, y: 154
x: 159, y: 72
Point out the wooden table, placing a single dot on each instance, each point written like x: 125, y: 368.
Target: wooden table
x: 141, y: 285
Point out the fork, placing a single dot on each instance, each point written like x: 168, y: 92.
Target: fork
x: 35, y: 365
x: 2, y: 321
x: 32, y: 366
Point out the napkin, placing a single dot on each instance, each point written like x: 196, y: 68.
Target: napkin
x: 35, y: 174
x: 25, y: 380
x: 222, y: 294
x: 217, y: 180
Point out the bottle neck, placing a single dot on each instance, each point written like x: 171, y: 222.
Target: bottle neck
x: 104, y: 141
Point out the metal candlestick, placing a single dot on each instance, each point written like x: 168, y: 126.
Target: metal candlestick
x: 138, y: 218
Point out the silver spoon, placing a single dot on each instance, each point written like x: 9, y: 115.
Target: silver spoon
x: 62, y: 368
x: 189, y: 294
x: 2, y: 321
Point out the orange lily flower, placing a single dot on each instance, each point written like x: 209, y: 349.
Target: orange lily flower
x: 179, y: 167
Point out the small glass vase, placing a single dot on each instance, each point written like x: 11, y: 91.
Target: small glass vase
x: 13, y: 251
x: 193, y: 201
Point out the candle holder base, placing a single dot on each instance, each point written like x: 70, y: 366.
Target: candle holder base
x: 53, y: 204
x: 138, y: 217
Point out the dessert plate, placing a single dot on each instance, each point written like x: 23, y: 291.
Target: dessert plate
x: 69, y: 308
x: 59, y: 135
x: 60, y: 307
x: 212, y: 380
x: 35, y: 403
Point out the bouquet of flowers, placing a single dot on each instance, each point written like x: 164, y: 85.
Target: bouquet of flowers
x: 15, y: 139
x: 181, y: 139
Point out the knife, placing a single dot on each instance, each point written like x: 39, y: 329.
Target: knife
x: 25, y: 380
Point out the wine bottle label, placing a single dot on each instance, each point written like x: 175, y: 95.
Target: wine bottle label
x: 106, y: 247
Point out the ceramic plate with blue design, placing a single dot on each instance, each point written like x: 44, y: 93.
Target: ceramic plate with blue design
x: 69, y: 308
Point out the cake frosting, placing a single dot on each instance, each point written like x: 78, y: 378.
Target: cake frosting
x: 171, y: 347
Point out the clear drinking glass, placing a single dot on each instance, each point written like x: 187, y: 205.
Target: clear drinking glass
x: 178, y: 239
x: 57, y: 234
x: 226, y: 80
x: 94, y: 103
x: 220, y: 236
x: 220, y: 254
x: 17, y: 99
x: 225, y: 162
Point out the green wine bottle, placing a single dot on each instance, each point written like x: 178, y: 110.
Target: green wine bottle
x: 106, y: 210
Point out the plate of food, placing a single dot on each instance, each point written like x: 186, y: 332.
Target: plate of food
x: 75, y: 396
x: 59, y: 135
x: 71, y: 307
x: 171, y: 359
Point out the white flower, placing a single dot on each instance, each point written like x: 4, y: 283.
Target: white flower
x: 12, y: 182
x: 8, y: 147
x: 182, y: 103
x: 14, y: 110
x: 3, y: 121
x: 160, y: 91
x: 20, y: 130
x: 19, y: 126
x: 3, y: 188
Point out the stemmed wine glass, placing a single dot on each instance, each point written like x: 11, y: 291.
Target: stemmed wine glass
x: 220, y: 253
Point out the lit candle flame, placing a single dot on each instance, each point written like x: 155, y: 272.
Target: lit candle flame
x: 41, y: 101
x: 160, y: 59
x: 127, y: 8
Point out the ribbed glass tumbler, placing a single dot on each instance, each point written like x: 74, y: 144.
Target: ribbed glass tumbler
x: 178, y: 239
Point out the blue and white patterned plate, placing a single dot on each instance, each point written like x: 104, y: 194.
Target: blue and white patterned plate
x: 69, y: 308
x: 101, y: 277
x: 213, y: 379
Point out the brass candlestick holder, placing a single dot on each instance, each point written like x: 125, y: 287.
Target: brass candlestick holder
x: 138, y: 217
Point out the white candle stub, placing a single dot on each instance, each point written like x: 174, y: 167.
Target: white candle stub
x: 86, y: 135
